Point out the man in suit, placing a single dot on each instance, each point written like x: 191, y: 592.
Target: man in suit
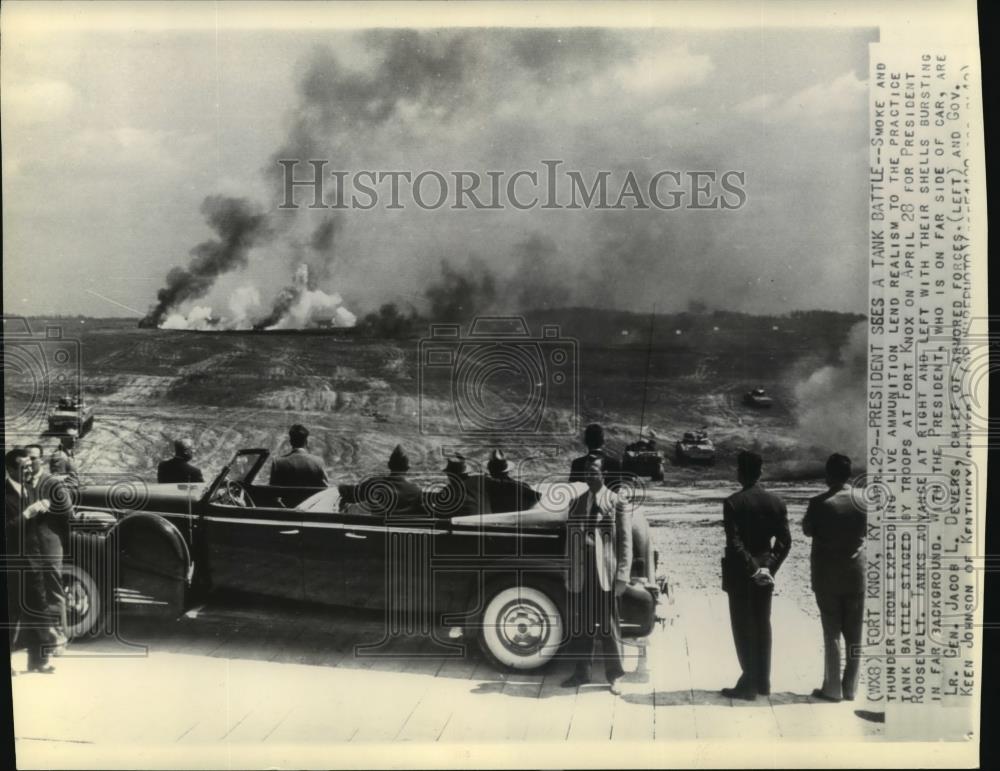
x: 504, y: 493
x: 179, y: 469
x: 15, y: 462
x: 837, y: 521
x: 462, y: 494
x: 757, y: 542
x: 47, y: 511
x: 593, y: 437
x: 298, y: 468
x: 600, y: 553
x: 392, y: 493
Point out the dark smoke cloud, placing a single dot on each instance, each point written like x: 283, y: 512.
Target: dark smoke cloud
x: 322, y: 256
x: 322, y: 237
x: 240, y: 226
x: 460, y: 294
x: 540, y: 280
x: 336, y: 104
x: 425, y: 69
x: 283, y: 302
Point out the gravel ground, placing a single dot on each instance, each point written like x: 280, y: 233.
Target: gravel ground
x: 686, y: 528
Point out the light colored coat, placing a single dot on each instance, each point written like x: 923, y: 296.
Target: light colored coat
x: 608, y: 542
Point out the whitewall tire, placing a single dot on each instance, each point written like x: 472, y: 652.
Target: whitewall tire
x: 522, y: 628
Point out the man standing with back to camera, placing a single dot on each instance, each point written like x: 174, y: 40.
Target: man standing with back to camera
x: 757, y: 542
x: 837, y: 521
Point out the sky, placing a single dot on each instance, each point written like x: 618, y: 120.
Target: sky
x: 113, y: 140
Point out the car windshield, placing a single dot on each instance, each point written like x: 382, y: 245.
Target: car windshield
x: 242, y: 468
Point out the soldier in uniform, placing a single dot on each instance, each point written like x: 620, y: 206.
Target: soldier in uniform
x: 179, y: 469
x: 392, y: 493
x: 757, y: 542
x: 593, y: 438
x: 600, y: 543
x: 505, y: 493
x: 837, y: 521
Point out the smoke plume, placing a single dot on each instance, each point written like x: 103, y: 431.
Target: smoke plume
x: 239, y: 226
x: 424, y: 71
x: 459, y: 295
x: 241, y: 304
x: 299, y: 307
x: 199, y: 318
x: 832, y: 401
x: 539, y: 281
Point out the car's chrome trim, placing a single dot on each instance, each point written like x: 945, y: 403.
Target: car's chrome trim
x: 345, y: 526
x: 329, y: 525
x: 493, y: 534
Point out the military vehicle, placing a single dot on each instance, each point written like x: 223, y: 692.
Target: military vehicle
x: 757, y: 398
x: 643, y: 459
x: 71, y: 412
x: 695, y: 447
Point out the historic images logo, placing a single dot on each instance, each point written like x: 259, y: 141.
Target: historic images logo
x: 524, y: 189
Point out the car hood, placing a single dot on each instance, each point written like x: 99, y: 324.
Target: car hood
x: 137, y: 495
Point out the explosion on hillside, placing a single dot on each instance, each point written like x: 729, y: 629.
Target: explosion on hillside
x: 832, y: 400
x: 298, y: 306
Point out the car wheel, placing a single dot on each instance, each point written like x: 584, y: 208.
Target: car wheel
x: 84, y: 608
x: 522, y: 628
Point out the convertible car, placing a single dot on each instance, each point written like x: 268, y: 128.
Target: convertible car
x: 499, y: 578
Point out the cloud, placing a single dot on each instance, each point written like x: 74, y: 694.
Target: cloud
x: 815, y: 104
x: 662, y: 71
x: 39, y: 101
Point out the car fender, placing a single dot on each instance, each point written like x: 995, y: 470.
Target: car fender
x: 494, y: 579
x: 153, y: 564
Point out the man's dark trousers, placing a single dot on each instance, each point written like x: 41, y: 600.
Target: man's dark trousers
x: 750, y: 618
x: 841, y: 614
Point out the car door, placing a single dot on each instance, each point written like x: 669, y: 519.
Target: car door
x: 363, y: 560
x: 343, y: 556
x: 256, y: 550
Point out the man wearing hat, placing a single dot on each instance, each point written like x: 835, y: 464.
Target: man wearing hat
x: 504, y: 493
x: 757, y: 542
x: 298, y: 468
x: 179, y: 469
x: 593, y: 437
x: 461, y: 494
x: 391, y: 493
